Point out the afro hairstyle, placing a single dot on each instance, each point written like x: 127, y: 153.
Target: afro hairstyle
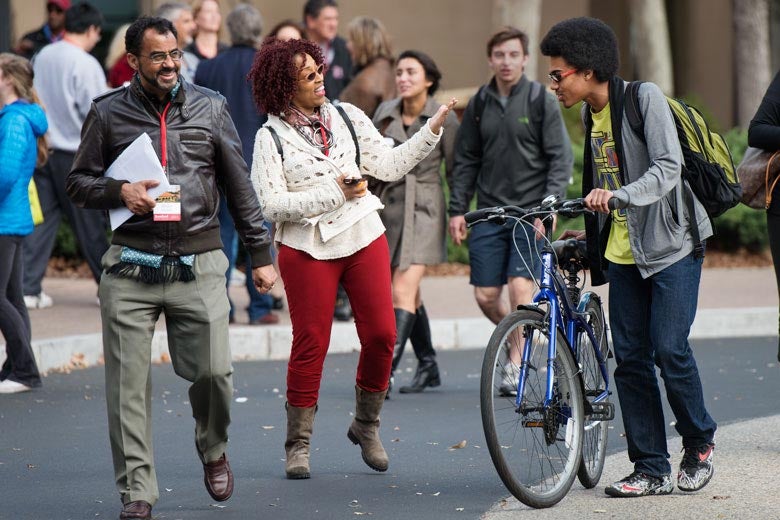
x: 585, y: 44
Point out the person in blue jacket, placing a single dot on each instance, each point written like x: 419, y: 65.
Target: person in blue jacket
x: 22, y: 146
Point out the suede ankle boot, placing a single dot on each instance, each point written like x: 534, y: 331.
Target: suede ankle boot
x: 404, y: 323
x: 364, y: 429
x: 300, y: 422
x: 427, y: 373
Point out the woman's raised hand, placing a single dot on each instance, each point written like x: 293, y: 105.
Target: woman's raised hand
x: 437, y: 120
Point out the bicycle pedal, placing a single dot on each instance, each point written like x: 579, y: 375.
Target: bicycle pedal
x: 602, y: 412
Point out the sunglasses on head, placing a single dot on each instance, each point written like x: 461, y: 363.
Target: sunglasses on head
x: 558, y: 75
x: 312, y: 76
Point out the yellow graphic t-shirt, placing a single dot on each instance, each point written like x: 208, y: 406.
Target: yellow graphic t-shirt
x: 605, y: 158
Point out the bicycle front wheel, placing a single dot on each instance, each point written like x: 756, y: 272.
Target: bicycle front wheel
x: 594, y: 446
x: 536, y: 449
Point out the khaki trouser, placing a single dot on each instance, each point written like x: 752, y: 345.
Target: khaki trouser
x: 196, y: 316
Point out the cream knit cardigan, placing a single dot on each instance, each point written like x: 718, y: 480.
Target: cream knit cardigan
x: 301, y: 195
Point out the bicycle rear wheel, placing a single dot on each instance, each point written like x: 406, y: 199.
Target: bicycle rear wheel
x: 594, y: 446
x: 536, y: 450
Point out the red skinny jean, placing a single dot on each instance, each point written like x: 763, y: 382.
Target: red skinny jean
x: 311, y: 286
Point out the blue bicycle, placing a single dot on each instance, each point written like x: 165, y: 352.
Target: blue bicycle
x: 544, y: 389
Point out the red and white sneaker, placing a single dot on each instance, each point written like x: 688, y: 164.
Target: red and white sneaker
x: 696, y: 467
x: 639, y: 485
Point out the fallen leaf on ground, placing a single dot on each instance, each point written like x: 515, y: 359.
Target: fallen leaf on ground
x: 459, y: 446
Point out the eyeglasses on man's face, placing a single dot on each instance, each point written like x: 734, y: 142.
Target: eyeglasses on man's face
x: 313, y: 75
x: 558, y: 75
x: 159, y: 57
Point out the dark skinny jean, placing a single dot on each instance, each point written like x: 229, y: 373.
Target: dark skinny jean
x: 773, y: 228
x: 20, y: 363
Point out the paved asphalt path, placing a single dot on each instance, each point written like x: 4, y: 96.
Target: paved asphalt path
x: 55, y: 461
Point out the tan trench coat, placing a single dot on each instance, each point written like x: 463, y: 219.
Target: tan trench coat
x: 415, y: 212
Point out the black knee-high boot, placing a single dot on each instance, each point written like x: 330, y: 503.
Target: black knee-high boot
x: 427, y: 373
x: 404, y: 323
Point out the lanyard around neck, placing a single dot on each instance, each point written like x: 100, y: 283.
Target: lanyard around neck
x: 164, y: 139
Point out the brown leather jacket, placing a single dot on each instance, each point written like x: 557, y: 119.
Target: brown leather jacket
x: 203, y: 153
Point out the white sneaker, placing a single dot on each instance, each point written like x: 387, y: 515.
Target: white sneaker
x: 12, y: 387
x: 508, y: 386
x: 38, y: 301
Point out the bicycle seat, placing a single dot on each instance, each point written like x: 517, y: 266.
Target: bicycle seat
x: 570, y: 252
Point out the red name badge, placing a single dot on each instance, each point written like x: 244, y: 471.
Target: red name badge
x: 168, y: 208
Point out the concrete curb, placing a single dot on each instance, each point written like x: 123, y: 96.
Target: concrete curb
x: 273, y: 342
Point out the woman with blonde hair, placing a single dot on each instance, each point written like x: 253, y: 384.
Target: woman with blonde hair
x: 208, y: 18
x: 372, y: 58
x: 22, y: 146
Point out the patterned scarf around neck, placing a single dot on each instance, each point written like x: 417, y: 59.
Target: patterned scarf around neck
x: 309, y: 127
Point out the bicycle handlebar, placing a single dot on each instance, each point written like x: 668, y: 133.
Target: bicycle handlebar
x: 566, y: 207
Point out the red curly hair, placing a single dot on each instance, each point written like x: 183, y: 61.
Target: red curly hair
x: 274, y: 75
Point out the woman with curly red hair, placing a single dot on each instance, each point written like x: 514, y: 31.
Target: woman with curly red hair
x: 328, y: 231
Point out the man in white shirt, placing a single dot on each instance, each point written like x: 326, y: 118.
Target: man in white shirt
x: 67, y: 77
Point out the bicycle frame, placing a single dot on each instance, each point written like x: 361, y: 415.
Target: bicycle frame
x: 558, y: 317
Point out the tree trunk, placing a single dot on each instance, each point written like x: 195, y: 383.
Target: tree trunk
x: 525, y: 15
x: 752, y: 66
x: 650, y: 45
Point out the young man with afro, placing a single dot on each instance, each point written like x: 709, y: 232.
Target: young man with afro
x: 640, y: 241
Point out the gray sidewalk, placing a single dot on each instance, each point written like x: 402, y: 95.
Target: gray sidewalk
x: 747, y: 468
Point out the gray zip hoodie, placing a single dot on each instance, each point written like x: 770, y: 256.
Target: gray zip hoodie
x: 652, y: 192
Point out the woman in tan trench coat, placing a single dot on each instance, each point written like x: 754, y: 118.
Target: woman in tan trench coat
x: 415, y: 211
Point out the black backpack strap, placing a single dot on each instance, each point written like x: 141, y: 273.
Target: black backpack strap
x: 479, y: 104
x: 698, y: 249
x: 537, y: 99
x: 277, y: 142
x: 352, y: 132
x: 633, y: 113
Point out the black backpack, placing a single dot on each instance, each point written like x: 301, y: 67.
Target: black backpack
x: 344, y: 116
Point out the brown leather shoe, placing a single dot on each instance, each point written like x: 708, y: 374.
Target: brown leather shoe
x: 137, y: 509
x: 218, y: 479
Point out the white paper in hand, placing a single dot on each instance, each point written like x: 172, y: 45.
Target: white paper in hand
x: 137, y: 163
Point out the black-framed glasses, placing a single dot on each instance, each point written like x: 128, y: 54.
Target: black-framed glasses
x: 160, y: 57
x: 558, y: 75
x: 312, y: 76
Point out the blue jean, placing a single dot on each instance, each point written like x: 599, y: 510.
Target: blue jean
x: 259, y: 304
x: 650, y: 320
